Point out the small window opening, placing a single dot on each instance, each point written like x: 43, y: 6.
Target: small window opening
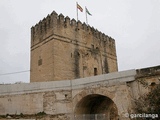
x: 95, y: 71
x: 39, y: 62
x: 153, y: 84
x: 66, y: 95
x: 97, y: 48
x: 78, y: 54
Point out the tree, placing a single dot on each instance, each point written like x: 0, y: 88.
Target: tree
x: 149, y: 103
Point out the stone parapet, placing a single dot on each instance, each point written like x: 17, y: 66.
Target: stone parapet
x: 105, y: 79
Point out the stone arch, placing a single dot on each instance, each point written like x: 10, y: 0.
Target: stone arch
x: 95, y: 103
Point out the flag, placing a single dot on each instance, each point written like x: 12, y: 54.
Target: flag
x: 79, y: 7
x: 88, y: 12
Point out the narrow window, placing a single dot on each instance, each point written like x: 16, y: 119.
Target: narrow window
x: 66, y: 95
x: 39, y: 62
x: 95, y: 71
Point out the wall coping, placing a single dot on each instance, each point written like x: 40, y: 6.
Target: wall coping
x: 110, y: 79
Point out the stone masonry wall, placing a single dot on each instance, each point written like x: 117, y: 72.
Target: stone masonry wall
x: 62, y: 99
x: 64, y: 49
x: 58, y: 99
x: 146, y: 80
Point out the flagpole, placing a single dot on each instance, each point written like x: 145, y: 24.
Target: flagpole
x: 86, y: 16
x: 77, y: 10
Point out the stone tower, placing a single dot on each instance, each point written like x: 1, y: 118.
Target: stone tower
x: 64, y: 49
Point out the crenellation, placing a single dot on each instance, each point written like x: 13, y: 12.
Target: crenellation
x: 61, y: 19
x: 36, y: 28
x: 47, y: 16
x: 93, y: 29
x: 44, y: 26
x: 36, y: 33
x: 57, y: 31
x: 54, y: 17
x: 112, y: 42
x: 84, y: 26
x: 48, y: 21
x: 79, y: 25
x: 54, y: 13
x: 88, y: 28
x: 103, y: 36
x: 108, y: 40
x: 40, y: 27
x: 32, y: 30
x: 67, y: 21
x: 73, y: 22
x: 100, y: 35
x: 97, y: 34
x: 50, y: 24
x: 32, y: 34
x: 102, y: 41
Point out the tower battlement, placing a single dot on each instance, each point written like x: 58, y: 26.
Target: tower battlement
x: 63, y: 48
x: 54, y: 23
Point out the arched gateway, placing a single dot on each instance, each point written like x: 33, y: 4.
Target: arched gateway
x: 94, y: 107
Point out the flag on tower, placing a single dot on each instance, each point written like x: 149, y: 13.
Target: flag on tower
x: 88, y: 12
x: 79, y: 7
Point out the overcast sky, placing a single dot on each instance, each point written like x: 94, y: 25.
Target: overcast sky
x: 134, y: 24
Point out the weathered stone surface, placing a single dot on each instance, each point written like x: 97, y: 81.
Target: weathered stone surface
x: 73, y: 52
x: 63, y: 101
x: 62, y: 49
